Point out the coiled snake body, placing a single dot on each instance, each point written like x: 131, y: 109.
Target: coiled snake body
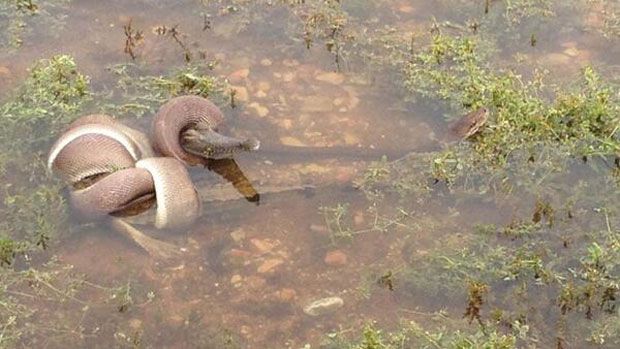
x: 114, y: 168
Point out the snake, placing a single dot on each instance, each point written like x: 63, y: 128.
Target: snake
x: 113, y: 169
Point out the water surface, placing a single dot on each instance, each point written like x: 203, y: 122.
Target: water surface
x: 248, y: 270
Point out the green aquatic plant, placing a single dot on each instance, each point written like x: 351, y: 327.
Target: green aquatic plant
x: 402, y: 176
x: 137, y: 92
x: 516, y: 11
x: 194, y: 333
x: 9, y: 249
x: 540, y: 129
x: 122, y: 297
x: 50, y: 284
x: 578, y: 283
x: 453, y: 69
x: 54, y: 305
x: 414, y: 335
x: 513, y: 11
x: 528, y: 131
x: 312, y: 23
x: 51, y: 96
x: 605, y: 18
x: 326, y: 22
x: 560, y: 254
x: 35, y: 215
x: 31, y: 204
x: 337, y: 221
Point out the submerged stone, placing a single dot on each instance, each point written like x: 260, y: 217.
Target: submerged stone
x: 269, y: 265
x: 335, y: 258
x: 241, y: 93
x: 323, y: 306
x: 239, y: 76
x: 317, y: 103
x: 330, y: 77
x: 261, y: 110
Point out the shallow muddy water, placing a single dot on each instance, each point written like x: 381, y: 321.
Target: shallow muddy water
x: 248, y: 270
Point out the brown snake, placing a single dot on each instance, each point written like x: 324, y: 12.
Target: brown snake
x: 116, y: 170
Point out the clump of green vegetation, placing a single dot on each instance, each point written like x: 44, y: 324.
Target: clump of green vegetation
x: 605, y: 16
x: 313, y: 22
x: 414, y: 335
x: 51, y: 96
x: 140, y: 93
x: 326, y: 22
x: 403, y: 176
x: 533, y: 288
x: 8, y: 250
x: 566, y: 270
x: 17, y: 15
x: 584, y: 118
x: 31, y: 203
x: 516, y: 10
x: 33, y: 210
x: 54, y: 305
x: 339, y: 224
x: 527, y: 132
x: 335, y: 219
x: 538, y: 132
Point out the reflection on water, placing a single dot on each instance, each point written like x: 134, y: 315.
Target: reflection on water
x: 298, y: 80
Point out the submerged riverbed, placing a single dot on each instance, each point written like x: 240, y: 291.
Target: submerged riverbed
x: 400, y: 239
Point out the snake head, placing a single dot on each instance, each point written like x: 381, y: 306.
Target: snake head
x: 469, y: 124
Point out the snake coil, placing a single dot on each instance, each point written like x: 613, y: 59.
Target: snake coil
x: 113, y: 167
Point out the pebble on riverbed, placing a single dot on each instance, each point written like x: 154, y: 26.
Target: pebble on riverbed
x: 335, y: 258
x: 269, y: 265
x: 330, y: 77
x: 323, y: 306
x: 238, y: 76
